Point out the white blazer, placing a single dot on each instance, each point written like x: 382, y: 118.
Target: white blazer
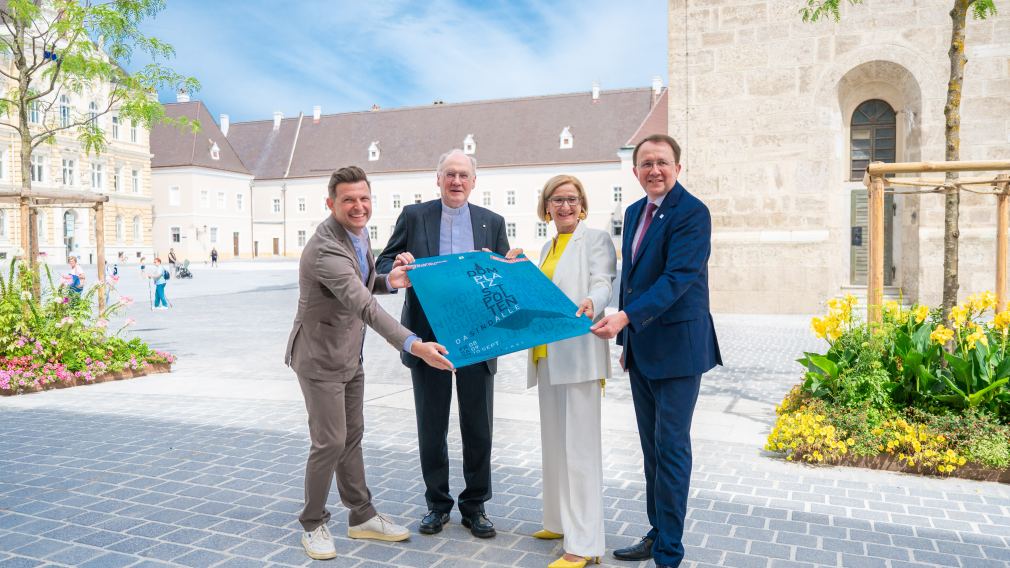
x: 586, y: 269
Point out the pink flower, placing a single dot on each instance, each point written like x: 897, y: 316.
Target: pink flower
x: 130, y: 321
x: 66, y: 300
x: 125, y: 300
x: 65, y: 321
x: 102, y: 323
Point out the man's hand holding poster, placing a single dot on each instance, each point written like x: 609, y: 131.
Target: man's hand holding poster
x: 481, y: 305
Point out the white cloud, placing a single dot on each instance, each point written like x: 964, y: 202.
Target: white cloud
x: 347, y: 56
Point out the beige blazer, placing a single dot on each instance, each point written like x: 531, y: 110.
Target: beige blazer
x: 585, y: 270
x: 334, y: 306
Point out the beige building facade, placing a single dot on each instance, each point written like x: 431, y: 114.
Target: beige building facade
x: 122, y: 171
x: 778, y: 119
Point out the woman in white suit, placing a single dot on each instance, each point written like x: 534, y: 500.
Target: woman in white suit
x: 570, y: 375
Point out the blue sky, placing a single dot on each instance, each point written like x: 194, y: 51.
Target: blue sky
x: 254, y: 57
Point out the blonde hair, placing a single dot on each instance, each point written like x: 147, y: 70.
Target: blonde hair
x: 553, y: 184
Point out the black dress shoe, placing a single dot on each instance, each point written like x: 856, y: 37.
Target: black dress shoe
x: 432, y: 522
x: 480, y: 526
x: 641, y: 550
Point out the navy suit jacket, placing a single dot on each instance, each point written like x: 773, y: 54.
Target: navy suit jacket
x: 417, y: 231
x: 664, y: 291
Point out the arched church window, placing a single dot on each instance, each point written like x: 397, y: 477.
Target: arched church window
x: 872, y: 136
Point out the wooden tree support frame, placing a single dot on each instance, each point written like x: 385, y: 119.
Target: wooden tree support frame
x: 31, y: 202
x: 877, y: 185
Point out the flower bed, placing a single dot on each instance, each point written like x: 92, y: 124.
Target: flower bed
x: 891, y: 396
x: 59, y: 341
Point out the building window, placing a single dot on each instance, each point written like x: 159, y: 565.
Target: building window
x: 64, y: 111
x: 3, y: 163
x: 469, y: 146
x: 173, y: 195
x: 96, y: 176
x: 301, y: 238
x: 115, y: 128
x: 38, y: 166
x: 510, y: 197
x: 417, y: 198
x: 239, y: 204
x: 204, y: 198
x: 301, y: 205
x: 277, y: 205
x: 133, y: 130
x: 135, y: 180
x: 618, y: 194
x: 176, y: 237
x: 872, y: 136
x: 221, y: 200
x: 486, y: 199
x: 373, y: 232
x: 541, y: 230
x: 117, y: 179
x: 396, y: 201
x: 510, y: 230
x: 34, y: 116
x: 68, y: 172
x: 138, y: 230
x: 213, y: 235
x: 566, y: 139
x: 617, y: 227
x: 373, y: 152
x: 215, y: 152
x: 120, y: 228
x: 93, y: 113
x: 3, y: 224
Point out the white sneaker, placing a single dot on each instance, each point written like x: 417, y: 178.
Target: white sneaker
x: 318, y: 544
x: 379, y: 527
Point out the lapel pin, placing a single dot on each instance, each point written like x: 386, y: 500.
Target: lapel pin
x: 661, y: 215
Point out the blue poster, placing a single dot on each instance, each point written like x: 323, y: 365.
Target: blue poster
x: 482, y: 306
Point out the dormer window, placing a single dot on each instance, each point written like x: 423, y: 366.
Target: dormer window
x: 566, y: 138
x: 373, y: 152
x: 215, y: 151
x: 469, y: 146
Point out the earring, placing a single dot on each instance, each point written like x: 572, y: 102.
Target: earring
x: 547, y: 217
x: 582, y: 215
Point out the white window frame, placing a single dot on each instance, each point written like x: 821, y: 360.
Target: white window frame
x: 301, y: 205
x: 64, y: 111
x: 204, y: 199
x: 486, y: 198
x: 618, y: 194
x: 373, y: 232
x: 133, y: 130
x: 175, y: 234
x: 396, y: 201
x: 174, y: 198
x: 222, y: 201
x: 115, y: 127
x: 541, y: 230
x: 97, y: 176
x: 135, y: 180
x: 510, y: 197
x: 418, y: 198
x: 510, y: 230
x: 69, y: 172
x: 38, y: 168
x: 240, y: 202
x: 120, y: 229
x: 301, y: 237
x: 117, y: 179
x: 138, y: 230
x: 213, y: 235
x: 276, y: 205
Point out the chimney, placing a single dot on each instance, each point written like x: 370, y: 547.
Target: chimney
x: 278, y: 117
x: 224, y: 123
x: 596, y: 91
x: 657, y: 88
x: 182, y: 96
x: 375, y: 107
x: 317, y: 111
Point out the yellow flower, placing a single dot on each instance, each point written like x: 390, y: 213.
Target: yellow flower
x: 941, y: 334
x: 1002, y: 321
x: 921, y: 312
x: 976, y: 336
x: 958, y: 316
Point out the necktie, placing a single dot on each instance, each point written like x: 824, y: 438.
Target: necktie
x: 650, y: 210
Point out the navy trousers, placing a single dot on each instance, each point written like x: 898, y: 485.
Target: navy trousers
x: 664, y: 409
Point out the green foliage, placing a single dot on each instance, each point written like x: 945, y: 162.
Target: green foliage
x: 816, y: 9
x: 80, y: 47
x: 59, y: 339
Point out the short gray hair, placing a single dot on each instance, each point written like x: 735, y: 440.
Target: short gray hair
x: 444, y: 157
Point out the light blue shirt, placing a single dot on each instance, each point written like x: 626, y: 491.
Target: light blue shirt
x: 456, y: 231
x: 361, y: 245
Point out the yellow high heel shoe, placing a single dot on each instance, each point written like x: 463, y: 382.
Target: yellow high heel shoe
x: 544, y: 534
x: 580, y: 563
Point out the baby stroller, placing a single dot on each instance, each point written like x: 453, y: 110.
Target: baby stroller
x: 183, y: 270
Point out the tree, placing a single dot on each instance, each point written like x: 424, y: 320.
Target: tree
x: 980, y: 9
x: 50, y: 49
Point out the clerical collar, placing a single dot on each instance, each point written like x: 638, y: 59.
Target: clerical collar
x: 446, y: 210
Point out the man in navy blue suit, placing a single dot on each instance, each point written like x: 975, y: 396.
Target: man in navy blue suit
x: 668, y: 337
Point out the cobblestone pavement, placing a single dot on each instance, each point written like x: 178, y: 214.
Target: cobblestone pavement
x: 203, y: 466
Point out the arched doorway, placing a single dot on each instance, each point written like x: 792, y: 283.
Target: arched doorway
x: 872, y: 139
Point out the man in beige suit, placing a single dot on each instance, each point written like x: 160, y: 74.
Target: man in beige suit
x: 336, y: 280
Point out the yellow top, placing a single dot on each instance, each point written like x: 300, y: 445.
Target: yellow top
x: 547, y: 266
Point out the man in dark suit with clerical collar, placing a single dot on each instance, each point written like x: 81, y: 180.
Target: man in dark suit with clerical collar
x: 449, y: 225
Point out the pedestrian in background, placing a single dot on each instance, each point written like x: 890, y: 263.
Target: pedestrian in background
x: 213, y: 257
x: 160, y: 275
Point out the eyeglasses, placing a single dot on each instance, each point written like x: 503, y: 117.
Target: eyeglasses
x: 461, y: 176
x: 648, y: 165
x: 559, y: 201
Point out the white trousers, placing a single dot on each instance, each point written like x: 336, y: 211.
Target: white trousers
x: 570, y: 428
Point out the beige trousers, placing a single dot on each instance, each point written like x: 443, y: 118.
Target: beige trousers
x: 336, y: 426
